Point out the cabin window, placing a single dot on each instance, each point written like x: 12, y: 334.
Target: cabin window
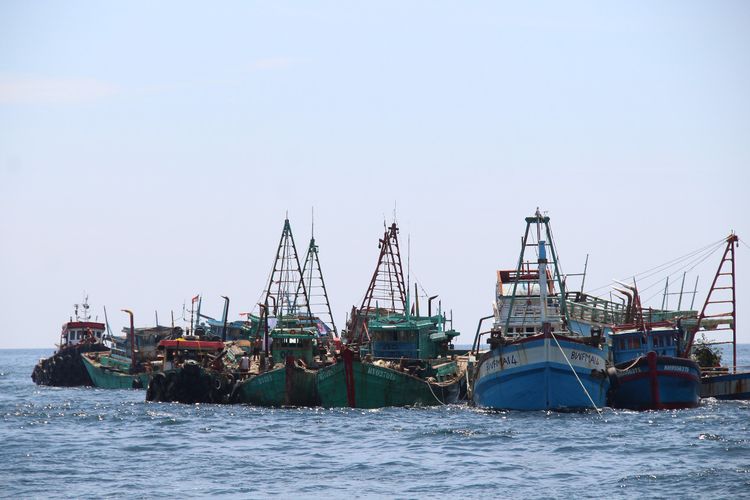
x: 529, y: 329
x: 73, y: 335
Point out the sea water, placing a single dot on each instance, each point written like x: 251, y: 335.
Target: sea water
x: 84, y: 442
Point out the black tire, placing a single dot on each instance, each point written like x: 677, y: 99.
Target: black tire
x: 155, y: 391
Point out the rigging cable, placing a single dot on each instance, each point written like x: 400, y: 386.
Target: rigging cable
x: 666, y: 265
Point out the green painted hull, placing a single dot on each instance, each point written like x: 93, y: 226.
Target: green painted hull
x: 378, y: 387
x: 284, y: 386
x: 107, y: 378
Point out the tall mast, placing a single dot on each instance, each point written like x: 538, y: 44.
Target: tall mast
x: 286, y: 278
x: 540, y: 221
x: 387, y: 289
x: 312, y: 275
x: 722, y: 291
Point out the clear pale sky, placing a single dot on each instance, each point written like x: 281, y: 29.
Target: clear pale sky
x: 150, y: 150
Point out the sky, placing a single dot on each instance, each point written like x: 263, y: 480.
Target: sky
x: 149, y: 151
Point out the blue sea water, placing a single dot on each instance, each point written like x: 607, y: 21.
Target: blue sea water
x: 84, y: 442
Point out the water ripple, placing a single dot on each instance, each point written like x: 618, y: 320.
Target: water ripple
x: 74, y: 437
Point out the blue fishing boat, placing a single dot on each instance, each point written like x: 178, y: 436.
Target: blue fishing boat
x: 534, y: 361
x: 650, y: 373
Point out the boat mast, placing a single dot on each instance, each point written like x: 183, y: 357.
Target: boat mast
x: 387, y: 288
x: 726, y: 320
x: 313, y: 274
x: 542, y: 264
x: 286, y: 277
x: 540, y: 221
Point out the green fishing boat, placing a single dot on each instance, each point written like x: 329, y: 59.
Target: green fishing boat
x: 409, y: 365
x: 393, y: 356
x: 113, y: 371
x: 127, y: 364
x: 291, y: 380
x: 296, y: 342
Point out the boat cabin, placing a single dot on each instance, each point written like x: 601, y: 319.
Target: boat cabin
x: 398, y: 336
x: 297, y: 336
x: 299, y: 344
x: 630, y: 344
x: 175, y: 352
x: 75, y: 332
x: 517, y: 303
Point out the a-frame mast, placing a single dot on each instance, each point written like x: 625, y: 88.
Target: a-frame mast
x: 387, y: 289
x: 287, y: 292
x: 722, y: 291
x: 312, y: 278
x: 539, y: 221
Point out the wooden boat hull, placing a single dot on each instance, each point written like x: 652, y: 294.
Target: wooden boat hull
x: 726, y: 386
x: 379, y: 386
x: 654, y: 382
x: 532, y: 374
x: 290, y: 385
x: 107, y: 378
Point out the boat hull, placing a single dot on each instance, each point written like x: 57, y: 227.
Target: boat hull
x: 106, y: 378
x: 654, y: 382
x: 726, y: 386
x: 532, y: 374
x: 373, y: 386
x: 290, y: 385
x: 190, y: 384
x: 65, y: 368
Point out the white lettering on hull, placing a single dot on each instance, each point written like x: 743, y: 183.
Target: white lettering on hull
x: 519, y: 356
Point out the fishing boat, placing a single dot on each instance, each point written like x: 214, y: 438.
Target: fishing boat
x: 203, y: 365
x: 297, y: 343
x: 393, y: 356
x: 79, y: 335
x: 191, y: 370
x: 127, y: 364
x: 289, y: 376
x: 534, y: 362
x: 649, y: 371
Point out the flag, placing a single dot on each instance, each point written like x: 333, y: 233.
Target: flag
x: 195, y: 299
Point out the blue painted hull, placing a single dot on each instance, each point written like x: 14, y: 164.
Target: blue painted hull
x: 655, y: 382
x: 532, y: 374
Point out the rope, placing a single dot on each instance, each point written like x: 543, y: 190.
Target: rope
x: 637, y: 360
x: 433, y: 393
x: 576, y: 375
